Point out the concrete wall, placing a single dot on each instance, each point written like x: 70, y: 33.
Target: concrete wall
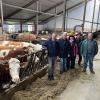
x: 76, y: 13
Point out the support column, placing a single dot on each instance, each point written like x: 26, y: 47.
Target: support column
x: 21, y: 27
x: 84, y: 15
x: 2, y: 18
x: 33, y: 27
x: 55, y: 19
x: 98, y: 18
x: 67, y: 20
x: 64, y: 16
x: 93, y: 15
x: 37, y: 8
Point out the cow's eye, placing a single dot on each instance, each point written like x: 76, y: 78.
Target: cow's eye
x: 4, y: 53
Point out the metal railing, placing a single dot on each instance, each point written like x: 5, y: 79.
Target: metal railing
x: 32, y: 65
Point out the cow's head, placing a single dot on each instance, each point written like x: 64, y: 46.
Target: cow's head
x: 14, y: 68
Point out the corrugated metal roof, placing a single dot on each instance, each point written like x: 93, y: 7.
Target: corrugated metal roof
x: 44, y: 5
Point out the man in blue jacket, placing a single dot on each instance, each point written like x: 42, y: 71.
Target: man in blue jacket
x: 52, y: 48
x: 89, y: 49
x: 64, y: 49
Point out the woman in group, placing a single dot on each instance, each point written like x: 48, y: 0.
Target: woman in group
x: 73, y: 51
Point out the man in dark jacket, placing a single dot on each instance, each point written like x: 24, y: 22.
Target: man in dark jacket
x: 89, y: 49
x: 52, y: 48
x: 64, y: 49
x: 79, y: 42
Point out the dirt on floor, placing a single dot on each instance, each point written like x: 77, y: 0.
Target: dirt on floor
x: 86, y: 86
x: 43, y: 89
x: 60, y: 89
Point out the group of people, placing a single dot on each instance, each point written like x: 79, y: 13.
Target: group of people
x: 67, y: 48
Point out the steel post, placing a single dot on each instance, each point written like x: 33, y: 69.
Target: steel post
x: 66, y: 19
x: 93, y: 15
x: 21, y: 27
x: 2, y: 18
x: 55, y: 19
x: 64, y: 16
x: 84, y: 15
x: 37, y: 17
x: 98, y: 18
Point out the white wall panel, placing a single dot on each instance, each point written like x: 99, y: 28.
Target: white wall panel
x: 71, y: 23
x: 77, y: 13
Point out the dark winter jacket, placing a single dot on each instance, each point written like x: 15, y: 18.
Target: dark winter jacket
x: 64, y: 48
x: 52, y: 48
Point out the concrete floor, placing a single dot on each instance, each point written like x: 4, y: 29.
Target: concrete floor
x: 86, y: 87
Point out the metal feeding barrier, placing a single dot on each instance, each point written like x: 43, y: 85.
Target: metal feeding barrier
x: 32, y: 65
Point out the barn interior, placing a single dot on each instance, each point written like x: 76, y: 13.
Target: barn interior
x: 25, y: 25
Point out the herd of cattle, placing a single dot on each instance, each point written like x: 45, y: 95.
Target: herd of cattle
x: 9, y: 63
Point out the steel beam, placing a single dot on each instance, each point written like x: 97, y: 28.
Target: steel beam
x: 47, y: 19
x: 37, y: 18
x: 31, y: 10
x: 17, y: 11
x: 64, y: 16
x: 66, y: 19
x: 21, y: 27
x: 93, y: 15
x: 2, y: 18
x: 84, y: 15
x: 81, y: 20
x: 55, y: 19
x: 98, y: 18
x: 56, y: 5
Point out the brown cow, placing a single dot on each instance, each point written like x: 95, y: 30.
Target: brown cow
x: 4, y: 68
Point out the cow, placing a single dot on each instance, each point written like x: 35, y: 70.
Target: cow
x: 14, y: 68
x: 9, y: 51
x: 11, y: 69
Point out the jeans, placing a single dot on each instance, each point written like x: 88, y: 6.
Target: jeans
x: 88, y: 58
x: 80, y: 59
x: 63, y: 64
x: 72, y: 62
x: 51, y: 68
x: 68, y: 63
